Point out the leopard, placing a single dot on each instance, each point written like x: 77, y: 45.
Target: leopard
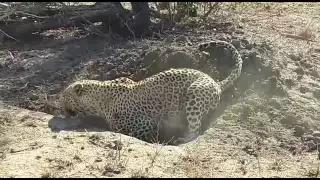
x: 134, y: 107
x: 123, y: 80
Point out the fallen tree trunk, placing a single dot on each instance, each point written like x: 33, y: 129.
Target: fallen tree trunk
x: 22, y: 28
x: 38, y: 11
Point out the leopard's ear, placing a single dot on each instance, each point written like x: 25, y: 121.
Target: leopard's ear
x: 78, y: 89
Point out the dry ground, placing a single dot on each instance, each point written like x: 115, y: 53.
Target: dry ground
x: 268, y: 129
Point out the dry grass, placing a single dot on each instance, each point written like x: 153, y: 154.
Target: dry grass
x: 290, y: 28
x: 271, y: 20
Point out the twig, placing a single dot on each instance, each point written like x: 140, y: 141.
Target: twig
x: 9, y: 35
x: 10, y: 54
x: 25, y: 149
x: 100, y: 33
x: 126, y: 24
x: 8, y: 13
x: 4, y: 4
x: 296, y: 37
x: 32, y: 15
x: 128, y: 27
x: 212, y: 7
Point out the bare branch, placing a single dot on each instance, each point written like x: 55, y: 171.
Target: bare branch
x: 32, y: 15
x: 9, y: 35
x: 4, y: 4
x: 212, y: 7
x: 89, y: 22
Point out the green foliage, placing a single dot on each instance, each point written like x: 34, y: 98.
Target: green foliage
x: 187, y: 9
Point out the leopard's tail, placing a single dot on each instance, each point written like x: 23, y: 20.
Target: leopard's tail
x: 236, y: 71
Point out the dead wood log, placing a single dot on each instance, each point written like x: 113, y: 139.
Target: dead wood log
x: 25, y: 27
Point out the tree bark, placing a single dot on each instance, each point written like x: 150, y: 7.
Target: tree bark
x: 142, y: 21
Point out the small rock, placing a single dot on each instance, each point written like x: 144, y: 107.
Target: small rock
x: 307, y: 138
x: 294, y: 57
x: 169, y: 39
x: 181, y: 38
x: 289, y: 120
x: 316, y: 133
x: 298, y: 131
x: 316, y: 93
x: 316, y: 140
x: 306, y: 125
x: 289, y: 82
x: 38, y: 157
x: 303, y: 89
x: 314, y: 73
x: 249, y: 46
x: 33, y: 97
x: 20, y: 69
x: 306, y: 64
x: 275, y: 103
x: 236, y: 43
x: 299, y: 71
x: 145, y: 47
x: 98, y: 159
x: 311, y: 146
